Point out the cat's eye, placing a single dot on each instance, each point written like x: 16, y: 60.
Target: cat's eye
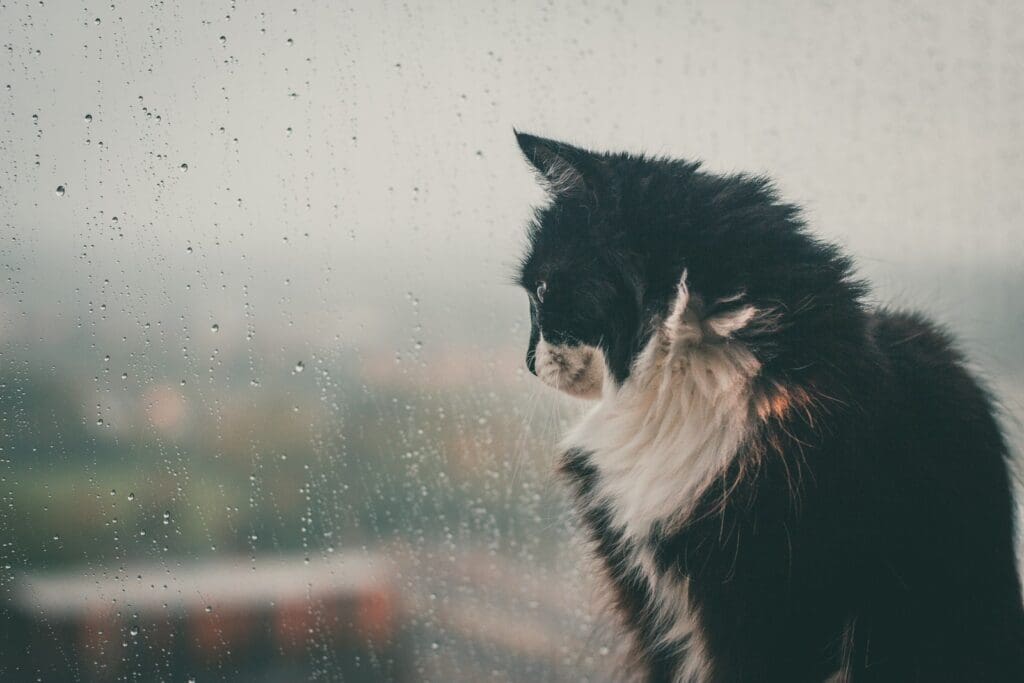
x: 542, y: 288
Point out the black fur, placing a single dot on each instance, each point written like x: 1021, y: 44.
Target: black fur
x: 865, y: 529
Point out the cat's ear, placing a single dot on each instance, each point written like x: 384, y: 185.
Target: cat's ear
x: 567, y: 170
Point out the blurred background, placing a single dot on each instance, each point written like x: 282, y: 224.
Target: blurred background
x: 263, y: 409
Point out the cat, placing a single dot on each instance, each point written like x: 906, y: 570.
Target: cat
x: 779, y: 482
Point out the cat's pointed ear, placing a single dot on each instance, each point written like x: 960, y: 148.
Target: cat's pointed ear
x: 567, y: 170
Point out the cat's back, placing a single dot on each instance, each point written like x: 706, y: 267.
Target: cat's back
x: 945, y: 495
x: 941, y: 439
x: 926, y: 379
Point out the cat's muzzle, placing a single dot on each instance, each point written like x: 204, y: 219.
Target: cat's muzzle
x: 578, y: 370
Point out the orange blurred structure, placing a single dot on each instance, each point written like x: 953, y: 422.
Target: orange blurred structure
x: 269, y: 619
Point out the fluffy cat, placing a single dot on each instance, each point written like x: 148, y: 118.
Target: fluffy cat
x: 780, y: 483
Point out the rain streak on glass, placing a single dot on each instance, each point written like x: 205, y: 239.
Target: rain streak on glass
x: 264, y: 412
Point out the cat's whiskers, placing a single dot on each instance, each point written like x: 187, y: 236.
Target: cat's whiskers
x: 520, y: 451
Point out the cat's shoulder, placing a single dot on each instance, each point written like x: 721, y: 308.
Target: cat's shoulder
x: 905, y: 334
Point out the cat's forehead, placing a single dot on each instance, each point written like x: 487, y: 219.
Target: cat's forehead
x: 559, y: 239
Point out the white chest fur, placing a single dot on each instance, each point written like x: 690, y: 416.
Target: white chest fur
x: 675, y: 423
x: 659, y: 439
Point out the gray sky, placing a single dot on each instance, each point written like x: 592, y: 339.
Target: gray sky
x: 373, y: 156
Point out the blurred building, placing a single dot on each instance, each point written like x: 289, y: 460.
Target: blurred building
x: 269, y: 619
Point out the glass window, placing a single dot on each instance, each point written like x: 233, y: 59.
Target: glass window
x: 264, y: 414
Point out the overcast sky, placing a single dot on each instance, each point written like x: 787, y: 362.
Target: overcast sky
x: 352, y: 169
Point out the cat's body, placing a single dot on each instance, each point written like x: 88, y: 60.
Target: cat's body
x: 780, y: 484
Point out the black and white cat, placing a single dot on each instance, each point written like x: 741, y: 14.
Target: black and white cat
x: 779, y: 483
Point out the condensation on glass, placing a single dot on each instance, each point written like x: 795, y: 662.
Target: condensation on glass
x: 263, y: 408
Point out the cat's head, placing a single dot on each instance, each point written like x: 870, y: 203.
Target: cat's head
x: 586, y: 287
x: 606, y: 257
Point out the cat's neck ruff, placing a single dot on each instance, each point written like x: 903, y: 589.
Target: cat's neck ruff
x: 678, y: 420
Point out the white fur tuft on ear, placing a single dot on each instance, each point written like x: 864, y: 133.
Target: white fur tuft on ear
x: 560, y: 165
x: 562, y: 177
x: 681, y: 327
x: 684, y: 326
x: 726, y: 324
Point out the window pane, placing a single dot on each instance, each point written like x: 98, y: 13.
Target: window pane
x: 264, y: 413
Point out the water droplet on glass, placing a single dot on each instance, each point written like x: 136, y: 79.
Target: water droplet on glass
x: 60, y: 190
x: 300, y: 366
x: 183, y: 167
x: 223, y: 39
x: 88, y: 118
x: 131, y: 496
x: 215, y: 328
x: 134, y: 631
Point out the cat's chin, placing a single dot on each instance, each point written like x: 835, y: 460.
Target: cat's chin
x: 574, y: 370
